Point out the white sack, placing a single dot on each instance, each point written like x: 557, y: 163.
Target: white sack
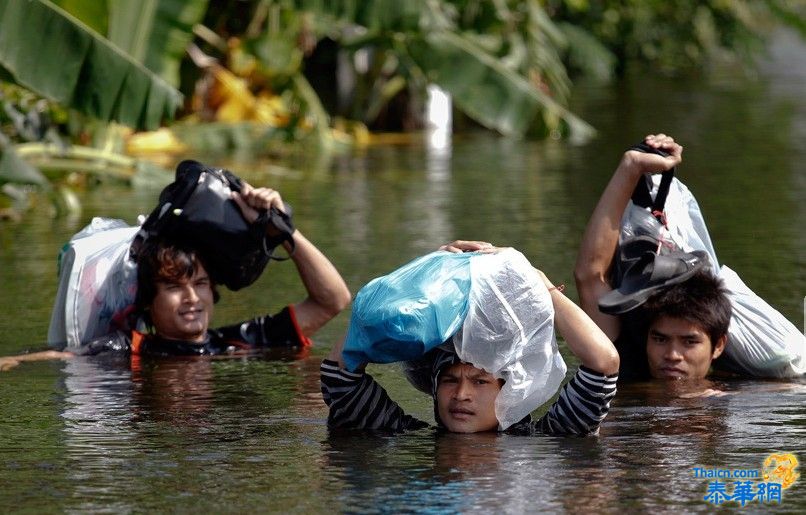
x: 761, y: 341
x: 97, y: 283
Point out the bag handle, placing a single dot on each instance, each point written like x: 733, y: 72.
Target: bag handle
x: 641, y: 194
x: 279, y: 219
x: 282, y: 222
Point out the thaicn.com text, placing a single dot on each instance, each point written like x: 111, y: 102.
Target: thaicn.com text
x: 717, y: 473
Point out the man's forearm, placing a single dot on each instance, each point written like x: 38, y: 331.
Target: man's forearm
x: 602, y: 232
x: 585, y: 339
x: 327, y: 292
x: 9, y: 362
x: 599, y: 245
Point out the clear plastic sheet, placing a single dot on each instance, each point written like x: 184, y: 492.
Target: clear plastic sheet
x: 509, y: 332
x: 97, y: 283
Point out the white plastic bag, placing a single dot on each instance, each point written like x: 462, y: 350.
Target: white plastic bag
x: 97, y: 283
x: 761, y: 341
x: 685, y: 226
x: 509, y: 332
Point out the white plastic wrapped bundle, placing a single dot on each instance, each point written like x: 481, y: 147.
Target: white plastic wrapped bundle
x: 97, y: 283
x: 509, y: 332
x: 685, y: 224
x: 761, y: 341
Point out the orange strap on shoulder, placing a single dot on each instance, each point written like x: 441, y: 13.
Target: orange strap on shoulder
x: 137, y: 342
x: 306, y: 342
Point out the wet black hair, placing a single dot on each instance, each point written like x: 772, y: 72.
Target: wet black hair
x: 701, y: 300
x: 159, y: 261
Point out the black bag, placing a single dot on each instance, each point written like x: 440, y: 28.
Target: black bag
x: 196, y: 211
x: 629, y: 252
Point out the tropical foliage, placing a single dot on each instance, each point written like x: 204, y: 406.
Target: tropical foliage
x: 76, y: 67
x: 500, y: 61
x: 502, y: 66
x: 676, y: 35
x: 258, y: 71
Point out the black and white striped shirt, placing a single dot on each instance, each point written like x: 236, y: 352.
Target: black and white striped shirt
x: 356, y: 401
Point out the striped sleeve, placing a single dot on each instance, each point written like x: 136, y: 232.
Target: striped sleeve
x: 583, y: 403
x: 356, y: 401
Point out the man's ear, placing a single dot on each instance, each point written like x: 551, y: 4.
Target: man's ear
x: 719, y: 346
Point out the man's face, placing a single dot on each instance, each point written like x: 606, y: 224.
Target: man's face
x: 679, y: 349
x: 466, y: 399
x: 182, y: 310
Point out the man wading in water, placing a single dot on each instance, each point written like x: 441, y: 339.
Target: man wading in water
x: 670, y: 316
x: 175, y: 298
x: 465, y: 396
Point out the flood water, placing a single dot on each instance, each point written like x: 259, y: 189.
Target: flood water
x: 249, y: 434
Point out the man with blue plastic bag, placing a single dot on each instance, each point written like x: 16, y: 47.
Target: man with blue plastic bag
x: 648, y: 275
x: 473, y: 327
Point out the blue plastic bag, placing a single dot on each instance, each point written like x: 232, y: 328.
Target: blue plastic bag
x: 402, y: 315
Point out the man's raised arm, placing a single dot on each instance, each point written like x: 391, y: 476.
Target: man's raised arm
x: 328, y: 294
x: 600, y: 240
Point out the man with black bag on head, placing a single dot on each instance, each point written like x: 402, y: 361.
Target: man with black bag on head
x: 177, y: 282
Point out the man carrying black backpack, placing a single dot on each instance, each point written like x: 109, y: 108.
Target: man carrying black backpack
x: 177, y: 290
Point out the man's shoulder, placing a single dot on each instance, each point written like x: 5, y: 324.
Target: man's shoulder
x: 631, y: 347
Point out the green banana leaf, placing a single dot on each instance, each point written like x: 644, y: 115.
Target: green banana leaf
x: 46, y: 50
x: 492, y: 90
x: 153, y: 32
x: 374, y: 15
x: 93, y: 14
x: 130, y: 26
x: 167, y: 28
x: 485, y: 89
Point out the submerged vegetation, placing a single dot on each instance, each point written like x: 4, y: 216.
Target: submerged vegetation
x: 262, y: 73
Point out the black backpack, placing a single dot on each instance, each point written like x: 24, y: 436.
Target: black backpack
x: 196, y: 211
